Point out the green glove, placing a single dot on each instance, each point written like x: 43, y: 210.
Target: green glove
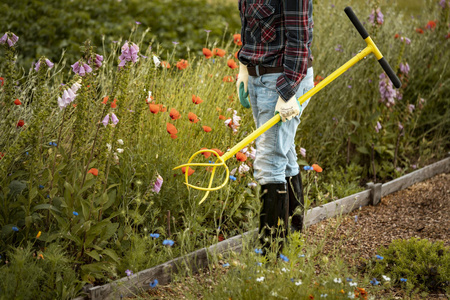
x: 242, y: 85
x: 243, y: 96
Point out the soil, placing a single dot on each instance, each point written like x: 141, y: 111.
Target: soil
x: 422, y: 211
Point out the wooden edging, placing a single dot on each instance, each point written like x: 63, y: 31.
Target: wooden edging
x: 196, y: 260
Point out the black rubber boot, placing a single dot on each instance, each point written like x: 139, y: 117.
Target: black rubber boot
x: 274, y: 216
x: 296, y: 202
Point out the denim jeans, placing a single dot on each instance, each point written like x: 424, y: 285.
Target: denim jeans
x: 276, y: 157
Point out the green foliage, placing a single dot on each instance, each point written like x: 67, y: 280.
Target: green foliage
x: 424, y: 264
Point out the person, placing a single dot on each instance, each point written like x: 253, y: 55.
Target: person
x: 275, y: 69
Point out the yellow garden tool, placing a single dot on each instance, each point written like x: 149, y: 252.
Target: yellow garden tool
x: 220, y: 162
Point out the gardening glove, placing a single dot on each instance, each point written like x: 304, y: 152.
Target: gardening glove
x: 288, y: 109
x: 242, y: 85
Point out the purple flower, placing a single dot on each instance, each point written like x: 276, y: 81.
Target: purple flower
x: 378, y: 127
x: 404, y: 68
x: 10, y: 38
x: 138, y: 23
x: 168, y: 243
x: 387, y: 91
x: 129, y: 272
x: 129, y: 53
x: 114, y: 119
x: 356, y: 218
x: 414, y: 166
x: 87, y: 68
x: 158, y: 183
x: 303, y: 152
x: 207, y: 31
x: 442, y: 3
x: 175, y: 43
x: 339, y: 48
x: 349, y: 86
x: 379, y: 17
x: 400, y: 126
x: 3, y: 39
x: 37, y: 66
x: 97, y: 61
x: 106, y: 120
x: 49, y: 63
x: 411, y: 108
x: 406, y: 40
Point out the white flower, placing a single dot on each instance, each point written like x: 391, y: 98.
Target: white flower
x: 116, y: 158
x: 352, y: 284
x: 337, y: 280
x: 252, y: 153
x: 285, y: 270
x: 298, y: 282
x: 156, y: 61
x: 119, y: 150
x: 232, y: 172
x: 252, y: 184
x: 323, y: 295
x: 386, y: 278
x: 243, y: 168
x: 351, y: 295
x: 108, y: 146
x: 120, y: 141
x: 260, y: 279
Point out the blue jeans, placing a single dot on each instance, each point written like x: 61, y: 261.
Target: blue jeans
x: 276, y: 157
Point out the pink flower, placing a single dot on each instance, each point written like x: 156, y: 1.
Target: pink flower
x: 303, y: 152
x: 404, y: 68
x: 158, y: 183
x: 114, y: 119
x: 378, y: 127
x: 49, y: 63
x: 411, y: 108
x: 10, y: 38
x: 106, y: 120
x: 129, y: 53
x: 400, y: 126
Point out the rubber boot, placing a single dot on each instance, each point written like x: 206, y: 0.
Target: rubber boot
x: 274, y: 216
x: 296, y: 202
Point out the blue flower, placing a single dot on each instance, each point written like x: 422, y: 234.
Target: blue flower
x: 349, y: 279
x: 168, y: 242
x: 232, y: 178
x: 258, y: 251
x: 356, y: 219
x: 75, y: 213
x: 41, y: 186
x: 226, y: 265
x: 284, y: 258
x: 154, y: 283
x: 259, y: 264
x: 154, y: 235
x: 374, y: 282
x: 52, y: 144
x: 301, y: 255
x: 27, y: 153
x: 379, y: 257
x: 14, y: 228
x: 403, y: 279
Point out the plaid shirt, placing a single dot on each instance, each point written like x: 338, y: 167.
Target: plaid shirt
x: 278, y: 33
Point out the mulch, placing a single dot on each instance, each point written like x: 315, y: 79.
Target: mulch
x: 421, y: 211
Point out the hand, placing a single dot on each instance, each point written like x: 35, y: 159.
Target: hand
x: 242, y: 85
x: 289, y: 109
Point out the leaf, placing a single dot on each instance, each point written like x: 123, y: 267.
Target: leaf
x: 355, y: 123
x: 45, y: 206
x: 111, y: 253
x: 363, y: 150
x: 69, y: 187
x: 94, y: 254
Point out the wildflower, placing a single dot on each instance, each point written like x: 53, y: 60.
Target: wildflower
x: 226, y: 265
x: 98, y: 61
x: 20, y: 123
x: 154, y: 283
x: 431, y: 25
x: 298, y: 283
x: 105, y: 99
x: 192, y: 117
x: 221, y: 117
x: 338, y: 48
x: 356, y: 219
x: 353, y: 284
x: 9, y: 38
x: 243, y: 168
x: 120, y: 141
x: 237, y: 39
x: 258, y: 251
x: 374, y: 281
x: 52, y: 144
x: 129, y: 272
x: 2, y: 81
x: 284, y: 257
x: 165, y: 64
x: 182, y: 64
x: 207, y: 53
x: 323, y: 295
x: 3, y: 39
x: 337, y: 280
x: 252, y: 184
x: 81, y: 68
x: 385, y: 278
x: 317, y: 168
x: 154, y: 108
x: 206, y: 128
x: 317, y: 79
x: 14, y: 228
x: 228, y: 79
x: 404, y: 68
x: 260, y: 279
x: 379, y: 17
x: 158, y: 183
x: 129, y: 53
x: 75, y: 213
x: 114, y: 103
x: 168, y: 243
x: 307, y: 168
x: 311, y: 297
x: 419, y: 30
x: 105, y: 120
x: 93, y: 171
x: 403, y: 279
x: 114, y: 119
x: 40, y: 256
x: 442, y: 3
x: 190, y: 170
x: 379, y: 257
x: 154, y: 235
x: 218, y: 52
x: 378, y: 127
x: 232, y: 64
x: 17, y: 102
x: 232, y: 178
x: 241, y: 156
x: 196, y: 99
x: 351, y: 295
x: 411, y: 108
x: 171, y: 129
x: 206, y: 154
x: 119, y: 150
x: 218, y: 151
x: 303, y: 152
x: 162, y: 108
x: 38, y: 235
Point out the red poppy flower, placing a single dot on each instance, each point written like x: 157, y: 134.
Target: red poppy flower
x: 431, y: 25
x: 218, y: 52
x: 221, y: 117
x: 1, y: 155
x: 206, y: 128
x: 232, y: 64
x: 173, y: 136
x: 162, y: 108
x: 419, y: 30
x: 207, y: 53
x: 206, y: 154
x: 93, y: 171
x: 317, y: 168
x: 447, y: 36
x: 150, y: 100
x: 192, y: 117
x: 241, y: 156
x: 237, y: 39
x: 220, y: 237
x: 114, y: 103
x: 236, y: 54
x: 2, y: 80
x: 174, y: 114
x: 182, y: 64
x: 105, y: 99
x: 154, y: 108
x: 171, y: 129
x: 396, y: 36
x: 317, y: 80
x: 218, y: 151
x: 20, y: 123
x: 17, y: 102
x: 165, y: 64
x: 228, y: 79
x: 190, y: 170
x: 196, y: 99
x: 74, y: 105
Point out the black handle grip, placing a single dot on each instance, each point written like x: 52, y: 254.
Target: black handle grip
x: 351, y: 15
x: 383, y: 62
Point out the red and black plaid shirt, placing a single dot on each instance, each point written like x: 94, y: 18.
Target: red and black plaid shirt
x: 278, y: 33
